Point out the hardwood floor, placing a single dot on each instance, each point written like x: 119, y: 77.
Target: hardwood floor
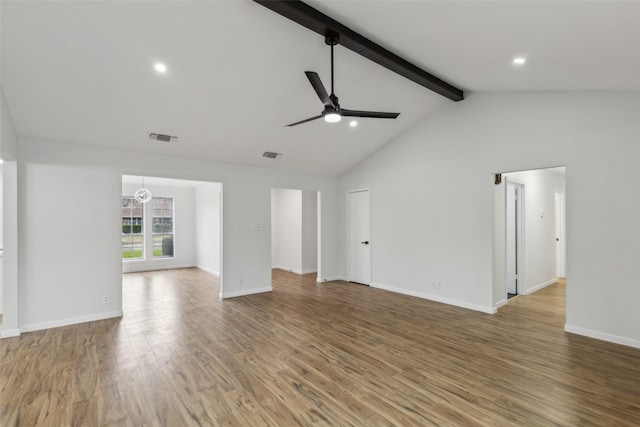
x: 315, y: 354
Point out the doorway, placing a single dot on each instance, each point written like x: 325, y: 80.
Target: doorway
x: 180, y: 226
x: 295, y: 231
x: 529, y: 218
x: 359, y: 235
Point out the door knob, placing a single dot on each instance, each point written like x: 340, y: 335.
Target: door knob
x: 366, y: 242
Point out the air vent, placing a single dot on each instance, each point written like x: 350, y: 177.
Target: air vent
x: 271, y: 155
x: 162, y: 137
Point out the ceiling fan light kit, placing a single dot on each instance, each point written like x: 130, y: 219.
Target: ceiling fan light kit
x: 332, y: 117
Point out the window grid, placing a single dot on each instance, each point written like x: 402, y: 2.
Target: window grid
x: 162, y: 230
x: 132, y: 228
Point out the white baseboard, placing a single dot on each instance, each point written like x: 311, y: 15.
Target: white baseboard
x: 71, y: 321
x: 294, y: 270
x: 540, y: 286
x: 450, y: 301
x: 245, y: 292
x: 155, y: 265
x: 630, y: 342
x: 208, y: 270
x: 330, y: 279
x: 501, y: 303
x: 8, y: 333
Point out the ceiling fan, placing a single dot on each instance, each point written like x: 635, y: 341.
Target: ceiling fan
x: 332, y: 112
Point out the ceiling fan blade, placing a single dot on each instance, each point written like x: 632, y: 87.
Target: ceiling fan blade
x: 315, y: 81
x: 372, y: 114
x: 304, y: 121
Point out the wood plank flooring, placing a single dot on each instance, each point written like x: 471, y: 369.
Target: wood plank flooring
x: 315, y: 354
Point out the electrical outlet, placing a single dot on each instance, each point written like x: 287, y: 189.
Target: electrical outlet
x: 437, y: 284
x: 105, y: 299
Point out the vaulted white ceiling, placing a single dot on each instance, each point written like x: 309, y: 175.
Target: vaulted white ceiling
x: 83, y: 71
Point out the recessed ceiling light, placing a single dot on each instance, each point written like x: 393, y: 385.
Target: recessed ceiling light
x: 519, y: 60
x: 353, y: 123
x: 160, y: 67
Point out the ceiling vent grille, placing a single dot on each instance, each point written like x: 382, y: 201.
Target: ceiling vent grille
x: 271, y: 155
x: 162, y: 137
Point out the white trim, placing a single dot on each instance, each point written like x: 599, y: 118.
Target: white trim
x: 245, y: 292
x: 616, y: 339
x: 449, y: 301
x: 330, y: 279
x: 294, y: 270
x: 150, y: 266
x: 71, y: 321
x: 540, y: 286
x: 500, y: 304
x: 8, y: 333
x: 208, y: 270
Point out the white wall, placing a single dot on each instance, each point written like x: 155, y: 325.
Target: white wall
x: 539, y: 241
x: 9, y: 153
x: 8, y: 135
x: 56, y: 172
x: 10, y: 318
x: 207, y: 239
x: 499, y: 244
x: 433, y: 196
x: 1, y: 238
x: 309, y: 232
x: 184, y: 242
x: 69, y: 245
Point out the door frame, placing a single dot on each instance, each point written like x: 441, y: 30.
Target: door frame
x: 348, y: 234
x: 520, y: 237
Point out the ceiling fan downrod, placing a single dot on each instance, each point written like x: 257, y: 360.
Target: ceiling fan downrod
x: 332, y: 38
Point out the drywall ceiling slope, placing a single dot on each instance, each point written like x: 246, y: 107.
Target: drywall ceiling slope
x: 568, y: 45
x: 83, y: 72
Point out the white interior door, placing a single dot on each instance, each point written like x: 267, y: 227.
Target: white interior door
x: 560, y: 236
x: 359, y: 237
x: 512, y: 217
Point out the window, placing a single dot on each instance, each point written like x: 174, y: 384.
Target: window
x: 162, y: 227
x: 132, y: 228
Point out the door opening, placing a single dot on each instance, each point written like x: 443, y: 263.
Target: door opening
x: 295, y: 231
x: 179, y: 226
x: 529, y: 236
